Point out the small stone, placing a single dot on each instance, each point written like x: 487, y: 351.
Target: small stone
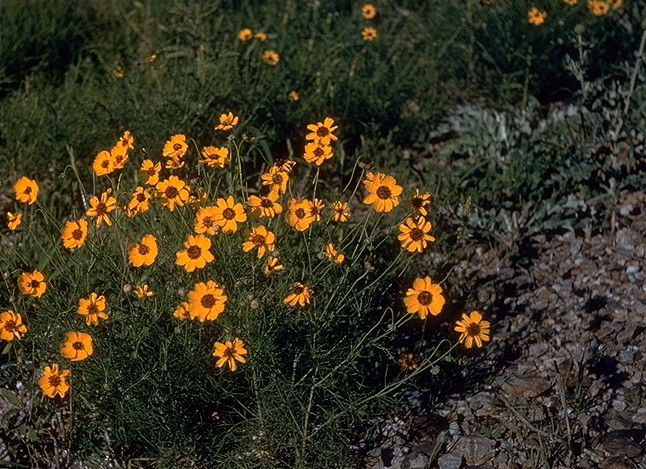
x: 524, y: 386
x: 476, y: 450
x: 449, y: 461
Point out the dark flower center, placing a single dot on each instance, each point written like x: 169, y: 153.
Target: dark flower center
x: 27, y: 190
x: 171, y: 192
x: 416, y: 234
x: 266, y: 203
x: 92, y: 309
x: 298, y: 289
x: 208, y: 222
x: 300, y: 213
x: 77, y: 234
x: 208, y: 301
x: 319, y: 152
x: 229, y: 213
x: 34, y: 284
x: 10, y: 325
x: 473, y: 329
x: 425, y: 298
x: 417, y: 202
x: 141, y: 197
x: 258, y: 240
x: 101, y: 208
x: 384, y: 192
x: 277, y: 179
x: 143, y: 249
x: 78, y: 346
x: 194, y: 252
x: 55, y: 380
x: 322, y: 131
x: 177, y: 147
x: 105, y: 163
x: 152, y: 171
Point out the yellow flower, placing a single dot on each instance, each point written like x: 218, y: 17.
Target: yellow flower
x: 216, y: 157
x: 14, y: 220
x: 77, y: 347
x: 260, y: 238
x: 74, y: 234
x: 272, y: 266
x: 245, y: 34
x: 142, y: 292
x: 341, y: 212
x: 473, y: 329
x: 173, y: 192
x: 407, y: 362
x: 262, y: 37
x: 151, y: 171
x: 230, y: 353
x: 414, y: 234
x: 55, y: 381
x: 227, y: 122
x: 205, y: 221
x: 197, y: 253
x: 369, y: 34
x: 383, y: 192
x: 103, y: 163
x: 299, y: 215
x: 26, y: 190
x: 293, y: 96
x: 322, y: 132
x: 271, y: 57
x: 207, y: 301
x: 420, y: 203
x: 598, y: 7
x: 144, y: 253
x: 182, y: 312
x: 286, y: 166
x: 118, y: 73
x: 424, y: 298
x: 100, y: 208
x: 119, y: 155
x: 11, y: 326
x: 228, y: 214
x: 93, y: 308
x: 139, y: 203
x: 265, y: 206
x: 276, y: 179
x: 175, y: 149
x: 317, y: 154
x: 333, y: 255
x: 369, y: 11
x: 32, y: 284
x: 536, y: 17
x: 127, y: 141
x: 316, y: 208
x: 301, y: 296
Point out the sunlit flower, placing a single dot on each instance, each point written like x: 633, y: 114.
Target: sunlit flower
x: 151, y: 171
x: 139, y: 203
x: 11, y: 326
x: 316, y: 209
x: 230, y: 353
x: 55, y: 381
x: 414, y: 234
x: 369, y: 11
x: 369, y: 34
x: 322, y: 132
x: 77, y: 347
x: 14, y: 220
x: 143, y: 292
x: 299, y: 214
x: 273, y: 266
x: 182, y: 312
x: 276, y: 179
x: 473, y: 329
x: 197, y: 253
x: 26, y: 190
x: 100, y: 208
x: 173, y: 192
x: 300, y: 296
x: 265, y: 206
x: 103, y: 163
x: 286, y: 166
x: 245, y: 34
x: 227, y: 122
x: 119, y: 155
x: 228, y: 214
x: 536, y: 17
x: 598, y: 7
x: 383, y: 192
x: 32, y: 284
x: 93, y: 309
x: 407, y: 362
x: 262, y: 37
x: 127, y: 141
x: 175, y: 149
x: 215, y: 157
x: 341, y: 212
x: 420, y: 203
x: 143, y: 253
x: 317, y: 154
x: 424, y: 298
x: 74, y: 234
x: 333, y: 255
x: 207, y: 301
x: 293, y: 96
x: 260, y: 238
x: 271, y: 57
x: 205, y: 221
